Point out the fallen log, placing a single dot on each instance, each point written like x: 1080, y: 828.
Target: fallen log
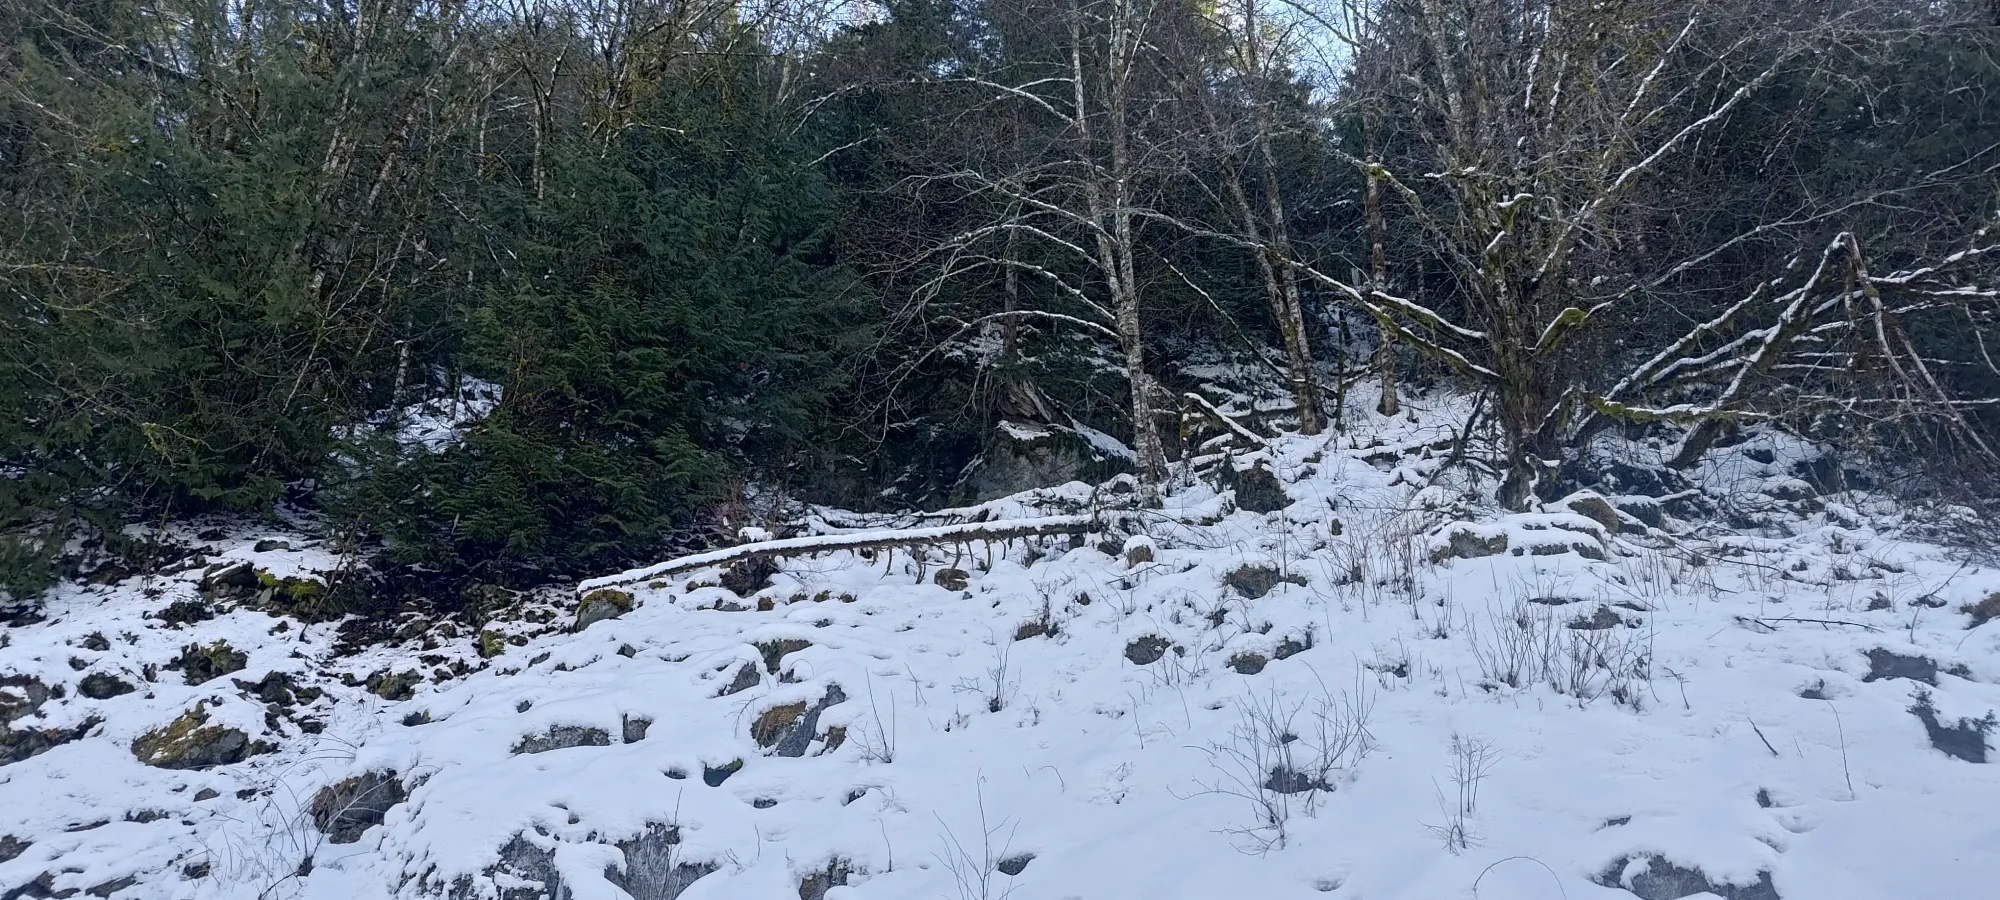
x: 853, y: 541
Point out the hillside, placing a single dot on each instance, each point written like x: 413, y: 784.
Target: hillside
x: 1751, y: 687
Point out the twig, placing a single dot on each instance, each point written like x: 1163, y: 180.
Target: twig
x: 1761, y: 737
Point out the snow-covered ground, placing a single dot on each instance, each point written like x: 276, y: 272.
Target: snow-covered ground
x: 1362, y: 695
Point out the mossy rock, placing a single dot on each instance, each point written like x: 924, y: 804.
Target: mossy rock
x: 776, y: 722
x: 394, y: 687
x: 490, y: 644
x: 189, y: 742
x: 1596, y: 509
x: 601, y: 604
x: 1464, y: 543
x: 202, y: 664
x: 789, y: 729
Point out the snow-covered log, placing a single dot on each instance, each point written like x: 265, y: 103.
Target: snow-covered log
x: 860, y: 540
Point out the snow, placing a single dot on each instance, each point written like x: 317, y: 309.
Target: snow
x: 436, y: 424
x: 964, y: 745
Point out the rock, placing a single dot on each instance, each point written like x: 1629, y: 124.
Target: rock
x: 1031, y: 629
x: 1290, y: 647
x: 277, y: 688
x: 202, y: 664
x: 113, y: 886
x: 714, y: 776
x: 16, y: 746
x: 344, y: 810
x: 1254, y: 581
x: 227, y: 578
x: 952, y: 579
x: 1284, y: 779
x: 789, y: 730
x: 1597, y: 509
x: 748, y: 576
x: 206, y: 794
x: 1147, y: 650
x: 189, y: 742
x: 1645, y: 509
x: 21, y: 696
x: 11, y: 847
x: 1465, y: 541
x: 746, y: 678
x: 816, y: 885
x: 103, y: 686
x: 774, y: 651
x: 1021, y: 456
x: 96, y: 642
x: 601, y: 604
x: 1139, y: 550
x: 270, y: 544
x: 633, y: 728
x: 1248, y: 663
x: 1965, y: 740
x: 1984, y: 611
x: 1257, y: 489
x: 1885, y: 664
x: 1663, y: 880
x: 1014, y: 865
x: 653, y: 868
x: 1604, y: 618
x: 563, y: 737
x: 397, y: 687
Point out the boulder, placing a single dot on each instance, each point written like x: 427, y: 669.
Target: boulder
x: 601, y: 604
x: 344, y: 810
x: 1147, y: 650
x: 189, y: 742
x: 203, y: 664
x: 563, y: 737
x: 1464, y: 541
x: 1595, y: 508
x: 1257, y: 489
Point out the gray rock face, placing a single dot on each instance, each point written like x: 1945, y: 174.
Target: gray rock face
x: 1020, y: 456
x: 343, y: 811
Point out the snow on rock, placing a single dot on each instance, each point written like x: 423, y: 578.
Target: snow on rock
x: 1628, y: 712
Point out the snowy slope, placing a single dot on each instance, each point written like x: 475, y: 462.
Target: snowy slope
x: 1101, y: 725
